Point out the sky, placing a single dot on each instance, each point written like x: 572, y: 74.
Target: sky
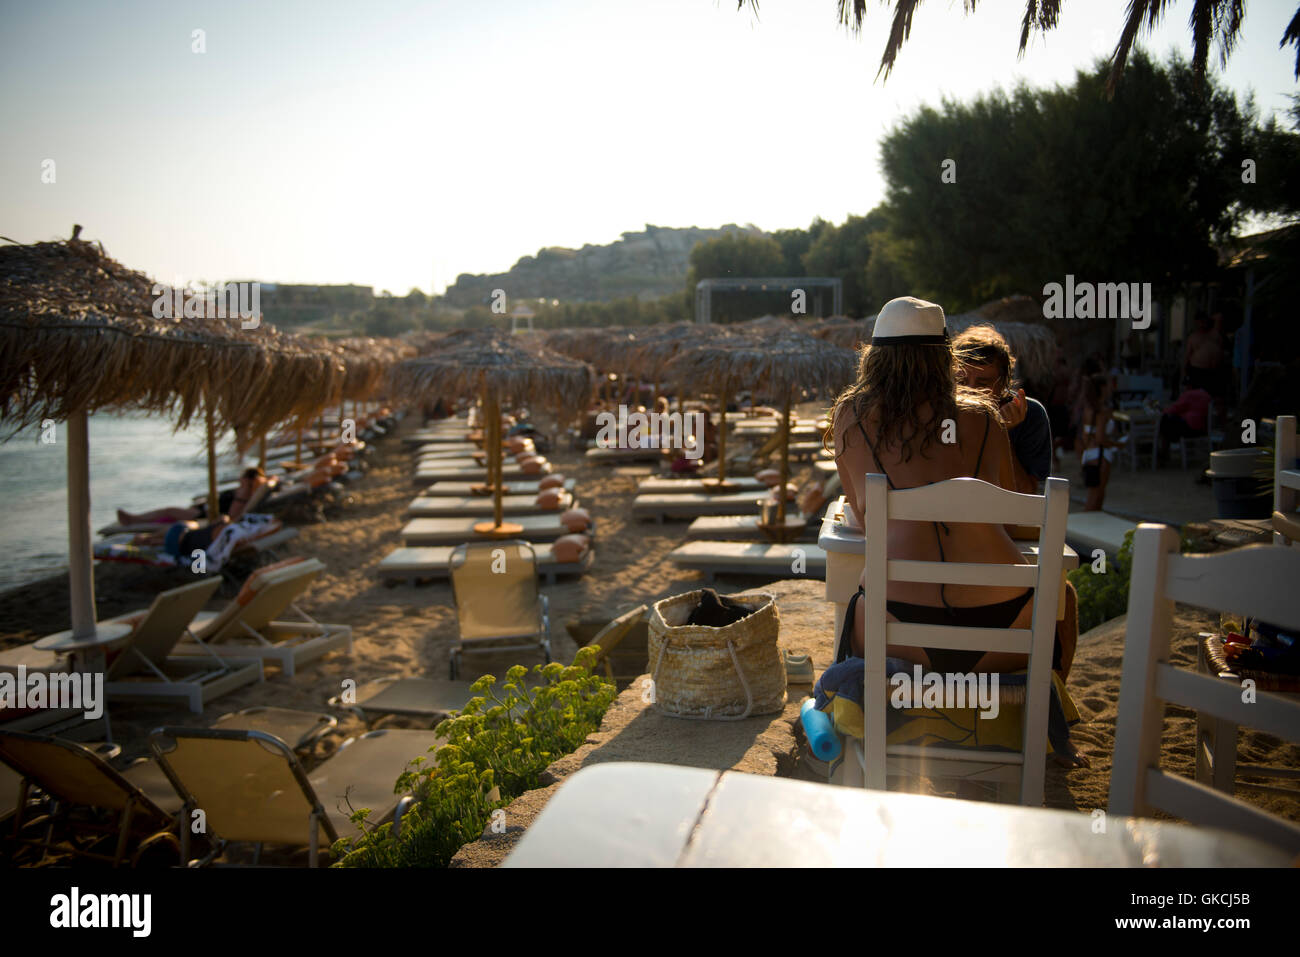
x: 399, y: 143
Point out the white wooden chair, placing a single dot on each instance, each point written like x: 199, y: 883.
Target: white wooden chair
x: 960, y: 500
x: 1259, y: 580
x: 1286, y: 483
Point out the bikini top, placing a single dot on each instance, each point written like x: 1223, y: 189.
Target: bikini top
x: 936, y: 525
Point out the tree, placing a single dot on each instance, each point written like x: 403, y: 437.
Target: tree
x: 1211, y: 21
x: 1050, y: 182
x: 842, y: 252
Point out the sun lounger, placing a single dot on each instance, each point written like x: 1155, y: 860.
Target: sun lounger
x: 78, y: 778
x: 1091, y: 530
x: 251, y: 787
x: 447, y: 450
x: 251, y: 626
x: 499, y: 607
x: 146, y: 669
x: 466, y: 489
x: 661, y: 507
x: 751, y: 558
x: 736, y: 527
x: 429, y: 699
x: 301, y: 730
x: 119, y: 548
x: 468, y: 471
x: 599, y: 456
x: 432, y: 506
x: 455, y: 531
x: 692, y: 486
x: 430, y: 562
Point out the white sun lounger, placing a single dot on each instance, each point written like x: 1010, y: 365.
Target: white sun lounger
x: 735, y: 527
x: 466, y: 489
x: 752, y: 558
x: 1091, y: 530
x: 661, y: 507
x: 434, y: 506
x: 146, y: 669
x: 600, y: 456
x: 692, y: 486
x: 447, y: 450
x: 254, y: 629
x: 468, y: 471
x: 457, y: 531
x: 431, y: 562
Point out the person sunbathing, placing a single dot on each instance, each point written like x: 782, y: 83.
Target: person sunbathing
x: 183, y: 538
x: 231, y: 502
x: 894, y: 421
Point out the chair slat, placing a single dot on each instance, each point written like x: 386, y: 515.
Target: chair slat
x: 1203, y: 805
x: 965, y: 496
x: 963, y: 573
x: 958, y: 638
x: 1257, y: 578
x: 1222, y: 699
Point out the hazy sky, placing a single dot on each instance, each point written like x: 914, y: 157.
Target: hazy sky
x: 397, y: 143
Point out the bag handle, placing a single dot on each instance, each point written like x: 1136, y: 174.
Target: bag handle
x: 740, y: 673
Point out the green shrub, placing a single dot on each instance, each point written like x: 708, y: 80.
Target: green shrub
x: 497, y: 748
x: 1103, y: 596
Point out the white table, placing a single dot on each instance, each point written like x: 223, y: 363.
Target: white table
x: 846, y: 553
x: 654, y: 815
x: 89, y: 652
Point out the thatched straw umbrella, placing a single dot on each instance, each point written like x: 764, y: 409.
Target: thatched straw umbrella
x: 495, y: 367
x: 784, y: 366
x: 78, y: 334
x: 842, y: 331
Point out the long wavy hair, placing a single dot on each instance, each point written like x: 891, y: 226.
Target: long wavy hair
x: 908, y: 390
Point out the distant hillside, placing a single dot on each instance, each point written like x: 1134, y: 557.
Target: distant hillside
x: 647, y: 264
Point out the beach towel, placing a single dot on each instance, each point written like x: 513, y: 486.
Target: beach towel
x: 839, y: 693
x: 247, y: 528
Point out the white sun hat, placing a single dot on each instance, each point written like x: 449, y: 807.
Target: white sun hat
x: 909, y: 321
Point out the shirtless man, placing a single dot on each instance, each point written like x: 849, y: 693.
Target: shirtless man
x: 1202, y: 356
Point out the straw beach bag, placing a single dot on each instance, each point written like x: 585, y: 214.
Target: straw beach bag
x: 725, y: 673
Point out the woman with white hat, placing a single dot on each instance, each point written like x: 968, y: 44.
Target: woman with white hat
x: 909, y: 418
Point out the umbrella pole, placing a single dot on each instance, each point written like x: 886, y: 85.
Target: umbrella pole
x: 722, y: 441
x: 785, y: 465
x: 81, y: 578
x: 297, y: 454
x: 214, y: 511
x: 496, y: 473
x: 261, y: 452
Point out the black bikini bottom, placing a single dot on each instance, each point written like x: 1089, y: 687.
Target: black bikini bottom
x: 1002, y: 614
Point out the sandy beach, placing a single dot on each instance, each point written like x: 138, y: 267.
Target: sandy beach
x: 409, y: 630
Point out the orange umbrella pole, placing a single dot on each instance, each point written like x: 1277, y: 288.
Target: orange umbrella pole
x: 297, y: 454
x: 261, y: 452
x: 214, y: 510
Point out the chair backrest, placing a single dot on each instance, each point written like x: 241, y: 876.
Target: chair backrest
x: 270, y: 591
x: 249, y: 784
x: 611, y: 636
x: 495, y: 585
x: 73, y: 773
x: 1259, y: 580
x: 961, y: 500
x: 1286, y: 473
x: 162, y: 626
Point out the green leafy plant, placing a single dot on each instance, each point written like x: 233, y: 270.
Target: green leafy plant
x: 1103, y: 596
x: 496, y: 749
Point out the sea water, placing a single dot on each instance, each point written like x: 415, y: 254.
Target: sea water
x: 137, y: 462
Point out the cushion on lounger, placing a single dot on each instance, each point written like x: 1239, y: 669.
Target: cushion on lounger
x: 791, y: 493
x: 769, y: 477
x: 812, y: 498
x: 254, y: 581
x: 532, y: 466
x: 549, y: 498
x: 570, y: 548
x: 576, y: 519
x: 552, y: 481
